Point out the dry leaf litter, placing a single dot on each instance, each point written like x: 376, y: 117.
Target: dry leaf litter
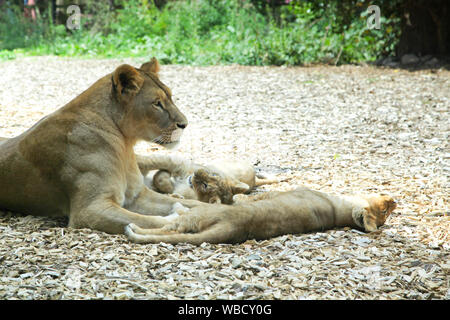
x: 347, y: 129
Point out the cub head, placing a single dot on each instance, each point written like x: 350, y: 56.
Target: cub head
x: 146, y: 109
x: 374, y: 216
x: 212, y: 187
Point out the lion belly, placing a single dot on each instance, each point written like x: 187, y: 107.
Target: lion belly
x: 298, y: 211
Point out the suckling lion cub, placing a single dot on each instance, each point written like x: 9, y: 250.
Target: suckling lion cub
x: 216, y: 182
x: 273, y: 214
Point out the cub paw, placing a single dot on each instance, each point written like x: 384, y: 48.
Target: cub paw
x: 178, y: 208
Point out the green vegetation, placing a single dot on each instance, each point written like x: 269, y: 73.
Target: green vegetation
x: 206, y: 32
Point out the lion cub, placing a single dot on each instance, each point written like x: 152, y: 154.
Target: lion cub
x: 273, y: 214
x: 216, y: 182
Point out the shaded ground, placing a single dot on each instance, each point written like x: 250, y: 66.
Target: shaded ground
x: 337, y: 129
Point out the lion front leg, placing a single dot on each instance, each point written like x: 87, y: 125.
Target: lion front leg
x: 109, y: 217
x: 214, y: 234
x: 150, y: 202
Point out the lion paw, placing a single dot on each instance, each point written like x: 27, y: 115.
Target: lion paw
x: 132, y: 227
x: 129, y: 231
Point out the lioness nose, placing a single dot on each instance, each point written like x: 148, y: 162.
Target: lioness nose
x: 181, y: 125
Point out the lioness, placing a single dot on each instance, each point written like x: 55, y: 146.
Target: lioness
x: 272, y: 214
x: 79, y: 161
x: 215, y: 182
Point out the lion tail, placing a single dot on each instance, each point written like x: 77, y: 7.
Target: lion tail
x: 216, y: 234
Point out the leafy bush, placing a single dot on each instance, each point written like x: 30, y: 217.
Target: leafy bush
x: 208, y: 32
x: 17, y: 31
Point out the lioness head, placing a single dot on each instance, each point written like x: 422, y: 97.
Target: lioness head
x: 380, y: 207
x: 148, y: 110
x: 213, y: 188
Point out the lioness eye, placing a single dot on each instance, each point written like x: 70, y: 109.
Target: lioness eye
x: 159, y: 104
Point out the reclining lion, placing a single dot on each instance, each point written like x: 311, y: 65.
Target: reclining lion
x: 79, y: 161
x: 269, y: 215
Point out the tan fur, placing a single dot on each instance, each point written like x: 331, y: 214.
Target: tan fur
x: 271, y: 214
x: 213, y: 188
x: 242, y: 171
x: 215, y: 182
x: 79, y: 161
x: 162, y: 183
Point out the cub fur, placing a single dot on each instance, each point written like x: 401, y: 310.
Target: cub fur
x: 272, y: 214
x: 79, y: 161
x: 216, y: 182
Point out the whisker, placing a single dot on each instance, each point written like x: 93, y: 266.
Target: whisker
x: 157, y: 139
x: 164, y: 138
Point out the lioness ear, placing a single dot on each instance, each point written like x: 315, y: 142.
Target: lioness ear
x: 151, y: 66
x: 127, y: 80
x: 391, y: 204
x: 240, y: 187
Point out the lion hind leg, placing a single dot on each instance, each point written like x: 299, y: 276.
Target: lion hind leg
x: 111, y: 218
x: 263, y: 181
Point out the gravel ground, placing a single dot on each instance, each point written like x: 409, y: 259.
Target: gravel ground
x: 336, y: 129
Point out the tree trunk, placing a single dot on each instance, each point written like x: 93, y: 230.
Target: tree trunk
x: 425, y: 28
